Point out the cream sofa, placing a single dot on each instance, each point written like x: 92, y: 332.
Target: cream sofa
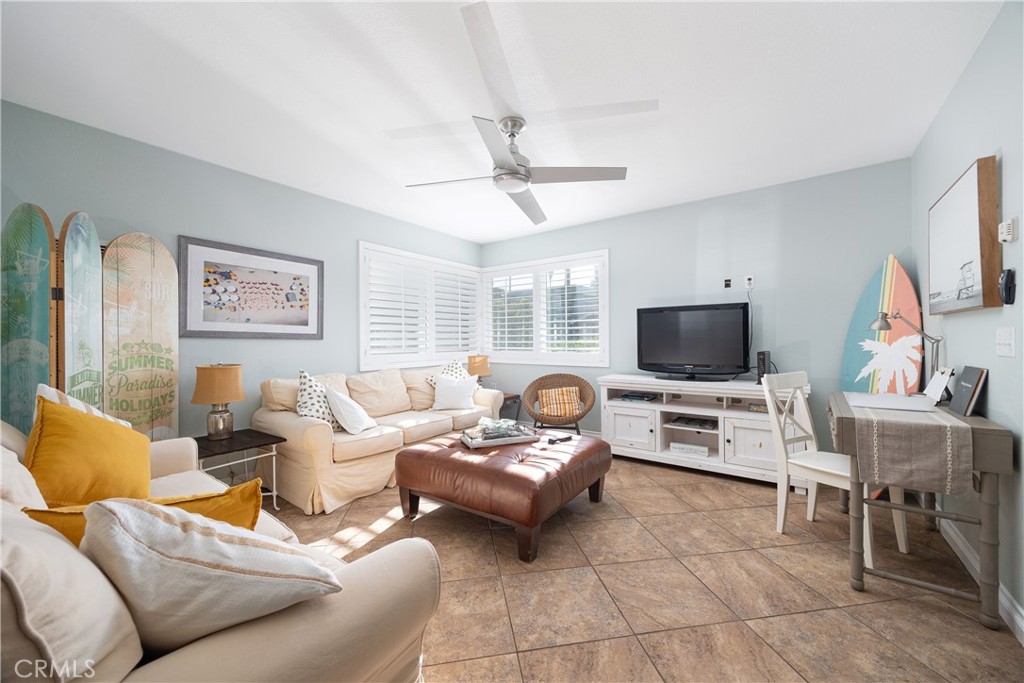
x: 371, y: 630
x: 319, y: 470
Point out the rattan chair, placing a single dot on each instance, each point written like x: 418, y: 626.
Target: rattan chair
x: 531, y: 395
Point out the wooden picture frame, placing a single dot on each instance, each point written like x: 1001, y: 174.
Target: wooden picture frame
x: 964, y: 254
x: 237, y: 292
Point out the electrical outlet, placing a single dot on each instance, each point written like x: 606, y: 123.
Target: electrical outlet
x: 728, y: 283
x: 1008, y: 231
x: 749, y: 281
x: 1005, y: 345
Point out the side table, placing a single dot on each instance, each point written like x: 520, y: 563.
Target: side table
x: 239, y: 442
x: 513, y: 398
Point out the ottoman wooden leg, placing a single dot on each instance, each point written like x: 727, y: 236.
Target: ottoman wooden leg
x: 597, y: 490
x: 528, y: 540
x: 410, y: 502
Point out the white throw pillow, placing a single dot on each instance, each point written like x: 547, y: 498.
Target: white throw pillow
x: 185, y: 576
x: 58, y: 396
x: 453, y: 370
x: 350, y: 414
x: 454, y: 394
x: 312, y: 400
x: 62, y: 603
x: 17, y: 486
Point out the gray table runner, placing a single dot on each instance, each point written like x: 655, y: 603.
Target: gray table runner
x: 927, y: 451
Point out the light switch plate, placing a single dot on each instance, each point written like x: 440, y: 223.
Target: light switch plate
x: 1005, y: 342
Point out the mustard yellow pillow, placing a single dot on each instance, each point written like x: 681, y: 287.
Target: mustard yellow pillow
x: 560, y: 402
x: 238, y: 506
x: 77, y: 458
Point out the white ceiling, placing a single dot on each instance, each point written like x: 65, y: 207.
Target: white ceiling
x: 352, y: 101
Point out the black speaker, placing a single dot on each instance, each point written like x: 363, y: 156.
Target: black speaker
x: 763, y: 364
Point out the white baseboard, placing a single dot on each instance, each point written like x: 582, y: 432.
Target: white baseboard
x: 1009, y: 609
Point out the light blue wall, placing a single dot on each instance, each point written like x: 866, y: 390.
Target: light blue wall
x: 811, y: 246
x: 983, y: 116
x: 126, y: 185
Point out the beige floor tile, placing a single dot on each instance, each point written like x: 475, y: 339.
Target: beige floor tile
x: 386, y: 498
x: 829, y: 523
x: 656, y: 595
x: 617, y: 540
x: 669, y: 475
x: 500, y: 669
x: 830, y: 645
x: 471, y: 621
x: 949, y: 642
x: 580, y: 509
x: 468, y: 555
x: 370, y: 528
x: 717, y: 652
x: 624, y: 475
x: 558, y: 550
x: 921, y: 563
x: 317, y: 530
x: 561, y: 606
x: 691, y: 533
x: 448, y: 520
x: 712, y: 495
x: 655, y: 500
x: 619, y: 659
x: 826, y: 569
x: 753, y: 586
x: 760, y: 492
x: 756, y: 527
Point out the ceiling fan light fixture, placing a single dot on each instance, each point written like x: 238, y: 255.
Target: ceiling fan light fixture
x: 510, y: 182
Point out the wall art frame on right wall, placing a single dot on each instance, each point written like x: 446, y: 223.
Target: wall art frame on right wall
x: 964, y: 254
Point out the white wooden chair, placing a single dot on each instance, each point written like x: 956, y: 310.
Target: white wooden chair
x: 797, y: 455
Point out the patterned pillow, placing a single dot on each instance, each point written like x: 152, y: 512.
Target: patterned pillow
x: 453, y: 370
x: 312, y: 400
x: 57, y: 396
x: 560, y: 402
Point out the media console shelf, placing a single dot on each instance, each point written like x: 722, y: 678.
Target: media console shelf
x: 716, y: 426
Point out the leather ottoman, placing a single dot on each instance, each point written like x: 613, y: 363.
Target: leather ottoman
x: 519, y: 484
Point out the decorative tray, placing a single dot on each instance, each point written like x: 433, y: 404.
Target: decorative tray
x: 497, y: 433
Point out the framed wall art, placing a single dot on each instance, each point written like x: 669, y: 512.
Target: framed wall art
x: 238, y: 292
x: 964, y: 255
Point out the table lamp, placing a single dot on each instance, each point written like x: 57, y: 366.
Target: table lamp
x: 881, y: 324
x: 479, y: 366
x: 218, y: 385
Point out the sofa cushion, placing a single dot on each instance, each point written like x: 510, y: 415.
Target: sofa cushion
x: 238, y: 506
x: 368, y: 442
x: 420, y: 390
x: 17, y: 486
x: 463, y: 419
x: 283, y: 394
x: 560, y: 401
x: 184, y: 576
x: 380, y: 393
x: 77, y: 458
x: 417, y: 425
x: 59, y: 607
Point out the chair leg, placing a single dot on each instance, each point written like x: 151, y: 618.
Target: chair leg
x: 783, y: 498
x: 812, y: 499
x: 899, y: 519
x: 869, y: 536
x: 578, y: 432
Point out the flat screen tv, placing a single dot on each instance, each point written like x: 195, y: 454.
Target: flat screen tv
x: 691, y: 342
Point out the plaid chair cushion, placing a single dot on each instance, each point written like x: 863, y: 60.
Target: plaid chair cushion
x: 560, y: 402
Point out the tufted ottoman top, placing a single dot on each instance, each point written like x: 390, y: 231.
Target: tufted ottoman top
x: 524, y: 483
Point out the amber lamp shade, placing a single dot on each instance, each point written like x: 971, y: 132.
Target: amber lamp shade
x: 479, y: 366
x: 217, y: 386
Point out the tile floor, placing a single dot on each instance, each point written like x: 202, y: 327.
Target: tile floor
x: 679, y: 575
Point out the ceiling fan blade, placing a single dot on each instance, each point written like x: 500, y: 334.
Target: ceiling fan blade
x: 495, y: 144
x: 457, y: 180
x: 528, y: 203
x: 575, y: 174
x: 490, y: 57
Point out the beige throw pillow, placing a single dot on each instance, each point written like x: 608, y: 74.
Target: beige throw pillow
x: 185, y: 576
x: 380, y: 393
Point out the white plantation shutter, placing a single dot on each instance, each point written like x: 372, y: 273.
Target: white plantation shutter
x: 415, y: 310
x: 549, y: 312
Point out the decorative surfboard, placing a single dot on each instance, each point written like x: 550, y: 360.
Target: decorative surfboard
x: 886, y: 361
x: 27, y: 347
x: 80, y: 312
x: 140, y: 335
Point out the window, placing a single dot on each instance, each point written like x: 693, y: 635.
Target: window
x: 415, y: 310
x: 548, y: 312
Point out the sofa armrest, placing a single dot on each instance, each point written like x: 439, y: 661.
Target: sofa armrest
x: 172, y: 456
x: 310, y: 441
x: 490, y: 398
x: 370, y: 631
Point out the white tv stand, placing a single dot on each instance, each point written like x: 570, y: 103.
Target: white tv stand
x: 715, y: 415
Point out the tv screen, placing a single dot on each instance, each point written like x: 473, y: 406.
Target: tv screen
x: 689, y: 341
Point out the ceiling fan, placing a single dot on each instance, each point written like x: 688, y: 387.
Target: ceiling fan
x: 512, y: 173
